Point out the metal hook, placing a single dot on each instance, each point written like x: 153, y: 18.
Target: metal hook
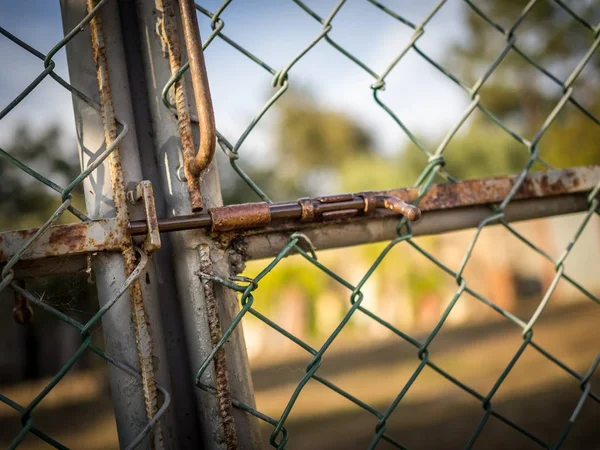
x: 204, y: 108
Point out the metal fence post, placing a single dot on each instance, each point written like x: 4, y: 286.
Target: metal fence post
x: 136, y: 340
x: 161, y: 162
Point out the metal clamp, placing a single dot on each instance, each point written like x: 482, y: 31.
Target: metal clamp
x: 144, y: 192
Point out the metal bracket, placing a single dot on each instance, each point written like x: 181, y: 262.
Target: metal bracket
x: 144, y: 192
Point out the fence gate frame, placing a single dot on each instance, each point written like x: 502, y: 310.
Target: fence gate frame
x: 160, y: 241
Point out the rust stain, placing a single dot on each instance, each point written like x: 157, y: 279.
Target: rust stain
x: 308, y: 209
x: 169, y: 29
x: 22, y: 311
x: 141, y: 325
x: 152, y: 241
x: 26, y: 234
x: 495, y: 189
x: 73, y: 238
x: 398, y: 206
x: 62, y: 240
x: 248, y: 215
x: 204, y: 108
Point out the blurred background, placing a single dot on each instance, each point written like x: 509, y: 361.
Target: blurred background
x: 327, y: 135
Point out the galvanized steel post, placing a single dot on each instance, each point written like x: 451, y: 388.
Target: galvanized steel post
x: 162, y: 163
x: 132, y: 329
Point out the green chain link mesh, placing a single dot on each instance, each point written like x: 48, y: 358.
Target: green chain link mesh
x: 434, y: 167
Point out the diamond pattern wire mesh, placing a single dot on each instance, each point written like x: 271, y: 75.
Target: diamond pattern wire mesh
x: 433, y: 168
x: 298, y: 244
x: 7, y: 282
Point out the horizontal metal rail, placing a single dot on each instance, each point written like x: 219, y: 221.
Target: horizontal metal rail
x: 439, y: 197
x: 260, y: 229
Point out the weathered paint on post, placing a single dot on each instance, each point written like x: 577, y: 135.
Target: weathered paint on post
x: 95, y: 61
x: 163, y: 160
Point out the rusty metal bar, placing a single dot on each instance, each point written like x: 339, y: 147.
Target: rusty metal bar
x: 143, y: 332
x: 267, y: 243
x: 443, y: 196
x: 71, y: 239
x: 170, y: 37
x: 206, y: 117
x: 567, y: 188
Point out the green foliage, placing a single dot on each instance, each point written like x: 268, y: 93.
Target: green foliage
x: 314, y: 143
x: 547, y: 34
x: 572, y: 142
x: 310, y: 137
x: 27, y: 202
x: 519, y: 94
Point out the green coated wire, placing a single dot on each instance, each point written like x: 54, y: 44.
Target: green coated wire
x: 433, y: 168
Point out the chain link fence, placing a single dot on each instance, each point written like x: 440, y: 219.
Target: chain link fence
x: 433, y: 169
x: 23, y: 299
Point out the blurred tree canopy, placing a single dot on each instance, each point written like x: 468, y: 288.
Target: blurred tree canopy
x: 320, y: 150
x: 310, y: 136
x: 26, y: 202
x: 521, y: 95
x: 314, y: 146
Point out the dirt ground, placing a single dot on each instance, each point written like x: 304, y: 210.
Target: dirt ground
x: 537, y: 395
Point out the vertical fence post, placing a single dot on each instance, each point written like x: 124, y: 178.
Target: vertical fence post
x: 140, y: 347
x: 161, y: 161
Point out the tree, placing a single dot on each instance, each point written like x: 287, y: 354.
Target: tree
x: 314, y: 146
x: 518, y: 93
x: 27, y: 202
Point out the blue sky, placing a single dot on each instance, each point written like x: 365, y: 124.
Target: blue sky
x: 275, y: 31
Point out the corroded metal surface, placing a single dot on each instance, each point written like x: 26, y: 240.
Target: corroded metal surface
x: 495, y: 189
x: 223, y: 387
x: 398, y: 206
x: 443, y: 196
x: 170, y: 36
x: 106, y: 235
x: 22, y: 311
x: 144, y: 193
x: 70, y: 239
x: 336, y: 198
x: 206, y: 117
x: 140, y: 318
x: 308, y: 210
x: 266, y: 243
x: 248, y: 215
